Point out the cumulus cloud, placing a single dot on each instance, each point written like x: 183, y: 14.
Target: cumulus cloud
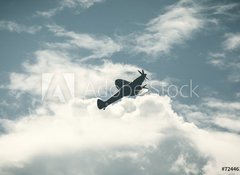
x: 82, y: 126
x: 18, y: 28
x: 134, y: 129
x: 173, y: 27
x: 128, y: 160
x: 79, y: 127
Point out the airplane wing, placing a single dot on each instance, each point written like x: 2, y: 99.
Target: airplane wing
x: 120, y: 83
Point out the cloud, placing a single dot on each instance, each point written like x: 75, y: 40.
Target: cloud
x: 232, y: 41
x: 178, y: 24
x: 88, y: 79
x: 226, y: 122
x: 49, y: 13
x: 225, y: 61
x: 82, y: 3
x: 134, y: 161
x: 102, y: 46
x: 142, y: 130
x: 66, y: 131
x: 173, y: 27
x: 143, y: 134
x: 217, y: 13
x: 67, y: 4
x: 18, y: 28
x: 222, y: 105
x: 226, y: 113
x: 182, y: 164
x: 218, y: 115
x: 217, y: 59
x: 224, y: 9
x: 220, y: 11
x: 137, y: 135
x: 212, y: 113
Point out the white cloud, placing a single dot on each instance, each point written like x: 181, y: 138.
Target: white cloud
x: 219, y: 12
x: 67, y: 4
x: 226, y: 113
x: 224, y: 9
x: 217, y: 59
x: 49, y: 13
x: 175, y: 26
x: 140, y: 126
x: 216, y: 144
x: 80, y: 127
x: 232, y: 41
x: 56, y: 129
x: 89, y: 79
x: 217, y: 55
x: 182, y: 164
x: 221, y: 113
x: 221, y: 9
x: 100, y: 46
x: 208, y: 110
x: 222, y: 105
x: 18, y: 28
x: 229, y: 123
x: 82, y: 3
x: 226, y: 62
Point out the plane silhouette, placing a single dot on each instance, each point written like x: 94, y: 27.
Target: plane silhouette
x: 125, y: 88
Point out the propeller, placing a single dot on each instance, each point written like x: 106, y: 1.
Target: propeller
x: 142, y: 73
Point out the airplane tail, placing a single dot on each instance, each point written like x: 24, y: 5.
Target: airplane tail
x: 101, y: 104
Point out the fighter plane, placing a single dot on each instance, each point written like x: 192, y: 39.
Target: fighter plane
x: 125, y: 88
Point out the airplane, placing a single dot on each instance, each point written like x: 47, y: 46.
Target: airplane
x: 125, y: 88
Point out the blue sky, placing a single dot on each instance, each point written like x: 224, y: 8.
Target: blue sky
x: 90, y: 43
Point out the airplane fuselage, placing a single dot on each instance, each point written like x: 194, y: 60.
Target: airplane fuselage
x: 132, y: 88
x: 125, y: 88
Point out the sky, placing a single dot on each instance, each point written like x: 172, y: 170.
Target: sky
x: 58, y: 57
